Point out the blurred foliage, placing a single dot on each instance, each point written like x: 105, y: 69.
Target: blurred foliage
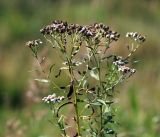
x: 20, y: 21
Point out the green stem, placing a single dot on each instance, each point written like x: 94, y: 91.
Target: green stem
x: 69, y: 60
x: 36, y: 56
x: 132, y: 52
x: 75, y: 99
x: 77, y: 113
x: 100, y: 84
x: 101, y: 106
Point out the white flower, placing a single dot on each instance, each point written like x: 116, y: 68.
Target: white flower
x: 53, y: 99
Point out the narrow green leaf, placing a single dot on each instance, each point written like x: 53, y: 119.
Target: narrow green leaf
x: 61, y: 117
x: 96, y: 104
x: 101, y: 101
x: 84, y: 83
x: 62, y: 68
x: 106, y: 109
x: 42, y: 80
x: 94, y: 73
x: 71, y: 90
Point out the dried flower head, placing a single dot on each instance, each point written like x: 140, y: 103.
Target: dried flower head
x: 95, y: 32
x: 120, y: 63
x: 34, y: 43
x: 126, y: 70
x: 55, y: 27
x: 136, y: 36
x: 53, y: 99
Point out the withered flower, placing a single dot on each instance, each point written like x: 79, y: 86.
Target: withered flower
x: 120, y: 63
x: 53, y: 99
x: 136, y: 37
x: 94, y: 31
x: 34, y: 43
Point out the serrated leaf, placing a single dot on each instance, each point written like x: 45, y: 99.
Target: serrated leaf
x: 94, y: 73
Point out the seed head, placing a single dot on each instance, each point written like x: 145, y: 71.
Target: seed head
x: 53, y: 99
x: 136, y: 37
x: 34, y: 43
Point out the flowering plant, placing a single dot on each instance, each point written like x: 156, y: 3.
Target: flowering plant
x: 93, y: 76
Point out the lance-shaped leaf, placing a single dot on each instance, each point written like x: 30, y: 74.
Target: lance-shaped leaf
x: 60, y: 70
x: 70, y: 89
x: 94, y: 73
x: 50, y: 69
x: 67, y: 103
x: 42, y: 80
x: 101, y: 101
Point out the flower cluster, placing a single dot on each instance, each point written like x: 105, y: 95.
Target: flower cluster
x: 56, y: 26
x: 97, y: 31
x: 135, y: 36
x: 120, y: 63
x: 53, y: 98
x: 33, y: 43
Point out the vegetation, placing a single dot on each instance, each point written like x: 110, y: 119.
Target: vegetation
x: 21, y: 106
x: 92, y: 100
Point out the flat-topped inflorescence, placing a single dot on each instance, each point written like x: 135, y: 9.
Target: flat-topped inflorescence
x: 95, y: 31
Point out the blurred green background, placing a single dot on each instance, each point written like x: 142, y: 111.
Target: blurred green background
x: 22, y: 114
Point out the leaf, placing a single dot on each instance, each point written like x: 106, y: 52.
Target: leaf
x: 42, y: 80
x: 62, y: 68
x: 90, y: 47
x: 70, y: 90
x: 101, y: 101
x: 50, y: 69
x: 87, y: 106
x: 96, y: 104
x: 59, y: 73
x: 62, y: 107
x: 61, y: 118
x: 84, y: 84
x: 94, y: 73
x: 109, y: 102
x: 110, y: 131
x: 107, y: 109
x: 66, y: 127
